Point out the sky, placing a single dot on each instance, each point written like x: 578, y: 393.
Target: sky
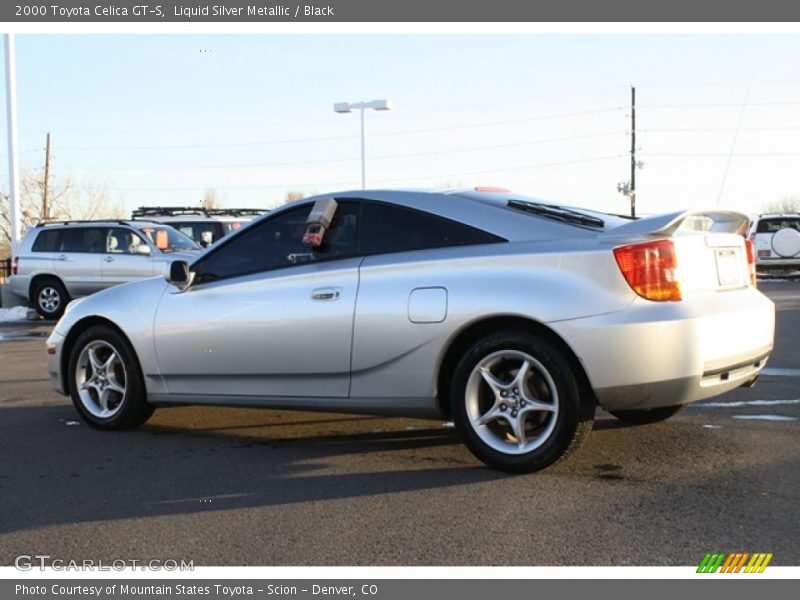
x: 162, y: 119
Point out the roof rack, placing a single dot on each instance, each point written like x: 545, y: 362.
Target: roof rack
x: 236, y: 212
x: 166, y: 211
x: 174, y: 211
x: 74, y: 221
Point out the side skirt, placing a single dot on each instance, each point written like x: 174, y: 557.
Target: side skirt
x: 421, y: 408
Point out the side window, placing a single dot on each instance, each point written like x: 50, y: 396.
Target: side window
x: 387, y: 228
x: 122, y: 241
x: 278, y: 243
x: 195, y: 229
x: 47, y: 241
x: 83, y: 239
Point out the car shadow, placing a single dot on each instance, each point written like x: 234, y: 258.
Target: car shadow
x: 58, y: 470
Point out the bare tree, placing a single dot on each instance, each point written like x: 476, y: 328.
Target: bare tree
x: 293, y: 195
x: 448, y: 184
x: 786, y: 204
x: 67, y: 200
x: 210, y: 200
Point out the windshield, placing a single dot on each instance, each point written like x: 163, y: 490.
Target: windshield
x: 168, y: 239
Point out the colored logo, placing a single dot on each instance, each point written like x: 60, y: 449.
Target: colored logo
x: 735, y: 562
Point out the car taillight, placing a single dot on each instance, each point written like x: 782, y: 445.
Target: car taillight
x: 753, y: 237
x: 15, y: 265
x: 650, y: 269
x: 751, y: 261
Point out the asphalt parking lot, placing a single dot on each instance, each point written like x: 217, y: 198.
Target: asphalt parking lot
x: 250, y: 487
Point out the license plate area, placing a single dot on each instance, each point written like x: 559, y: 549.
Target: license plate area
x: 729, y: 268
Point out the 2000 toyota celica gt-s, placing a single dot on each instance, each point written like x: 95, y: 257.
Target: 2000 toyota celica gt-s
x: 512, y: 316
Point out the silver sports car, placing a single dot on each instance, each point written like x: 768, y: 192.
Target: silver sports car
x: 512, y: 316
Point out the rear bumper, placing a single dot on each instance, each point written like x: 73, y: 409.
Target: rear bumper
x: 777, y: 263
x: 19, y: 285
x: 662, y: 354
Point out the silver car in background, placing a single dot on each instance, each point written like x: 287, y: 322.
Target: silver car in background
x: 512, y: 316
x: 58, y: 261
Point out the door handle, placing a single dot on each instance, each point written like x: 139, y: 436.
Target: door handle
x: 109, y: 259
x: 329, y: 293
x: 61, y: 257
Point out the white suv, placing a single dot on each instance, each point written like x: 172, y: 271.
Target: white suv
x: 776, y: 242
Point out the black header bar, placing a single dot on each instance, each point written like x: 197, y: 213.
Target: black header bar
x: 455, y: 11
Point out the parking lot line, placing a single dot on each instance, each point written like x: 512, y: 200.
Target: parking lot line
x: 776, y: 372
x: 744, y: 403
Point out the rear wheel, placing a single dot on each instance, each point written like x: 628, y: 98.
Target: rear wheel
x: 50, y: 298
x: 518, y: 404
x: 643, y: 416
x: 106, y: 383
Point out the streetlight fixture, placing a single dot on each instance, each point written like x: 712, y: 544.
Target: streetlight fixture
x: 346, y: 107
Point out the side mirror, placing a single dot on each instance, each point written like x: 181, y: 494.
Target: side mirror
x: 142, y: 249
x: 179, y: 275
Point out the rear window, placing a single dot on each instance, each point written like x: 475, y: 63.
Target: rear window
x: 73, y: 239
x: 388, y: 228
x: 47, y: 241
x: 773, y: 225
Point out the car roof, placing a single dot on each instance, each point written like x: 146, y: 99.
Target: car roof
x: 486, y: 210
x: 84, y: 223
x: 189, y: 218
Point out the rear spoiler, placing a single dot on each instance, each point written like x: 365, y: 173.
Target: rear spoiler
x: 722, y: 221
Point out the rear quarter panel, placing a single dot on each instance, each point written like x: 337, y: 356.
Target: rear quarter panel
x: 395, y: 357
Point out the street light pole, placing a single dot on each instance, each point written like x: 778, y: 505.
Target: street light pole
x: 13, y: 150
x: 346, y: 107
x: 363, y: 152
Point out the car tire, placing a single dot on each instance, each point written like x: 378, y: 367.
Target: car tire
x: 518, y: 403
x: 50, y: 298
x: 105, y: 380
x: 644, y: 416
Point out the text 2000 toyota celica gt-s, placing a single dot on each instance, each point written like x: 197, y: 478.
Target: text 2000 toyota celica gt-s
x: 511, y: 316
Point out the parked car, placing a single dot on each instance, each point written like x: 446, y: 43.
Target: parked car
x: 204, y: 225
x: 776, y: 240
x: 512, y: 316
x: 56, y: 262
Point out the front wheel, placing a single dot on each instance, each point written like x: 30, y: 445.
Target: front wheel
x: 517, y: 402
x: 644, y: 416
x: 106, y: 383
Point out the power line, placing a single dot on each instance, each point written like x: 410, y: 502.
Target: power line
x: 345, y: 160
x: 337, y: 138
x: 722, y: 105
x: 424, y: 111
x: 733, y: 145
x: 387, y: 180
x: 719, y: 154
x: 715, y: 129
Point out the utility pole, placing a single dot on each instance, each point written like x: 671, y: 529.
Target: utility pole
x: 633, y: 152
x: 45, y: 192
